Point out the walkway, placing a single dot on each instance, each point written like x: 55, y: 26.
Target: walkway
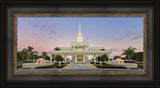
x: 79, y: 66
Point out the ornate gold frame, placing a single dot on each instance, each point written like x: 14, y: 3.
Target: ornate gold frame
x: 77, y: 72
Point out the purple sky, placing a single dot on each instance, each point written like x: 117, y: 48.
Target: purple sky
x: 112, y: 33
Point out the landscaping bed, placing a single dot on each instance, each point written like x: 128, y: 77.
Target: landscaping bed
x: 140, y: 65
x: 109, y: 66
x: 57, y: 66
x: 51, y: 66
x: 48, y: 66
x: 19, y: 65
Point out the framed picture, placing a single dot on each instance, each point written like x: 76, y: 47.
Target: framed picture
x: 80, y: 44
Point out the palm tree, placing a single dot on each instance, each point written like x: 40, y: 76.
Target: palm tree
x: 24, y: 54
x: 44, y: 54
x: 29, y: 51
x: 138, y: 56
x: 23, y: 57
x: 129, y: 52
x: 25, y: 50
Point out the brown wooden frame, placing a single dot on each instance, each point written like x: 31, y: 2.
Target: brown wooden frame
x: 80, y: 15
x: 95, y: 7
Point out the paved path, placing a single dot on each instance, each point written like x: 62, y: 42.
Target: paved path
x: 80, y: 66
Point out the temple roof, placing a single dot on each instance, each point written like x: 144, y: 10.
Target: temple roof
x: 79, y: 43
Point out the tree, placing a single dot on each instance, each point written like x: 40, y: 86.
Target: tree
x: 24, y: 54
x: 99, y: 58
x: 104, y: 57
x: 57, y: 49
x: 138, y: 56
x: 115, y: 57
x: 129, y: 52
x: 29, y: 51
x: 47, y: 58
x: 23, y: 57
x: 59, y: 58
x: 44, y: 55
x: 102, y: 49
x: 18, y: 55
x: 34, y: 55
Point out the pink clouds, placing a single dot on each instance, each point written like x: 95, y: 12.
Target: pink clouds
x: 44, y: 34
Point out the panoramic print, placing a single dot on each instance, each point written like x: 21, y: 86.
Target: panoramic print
x: 80, y: 44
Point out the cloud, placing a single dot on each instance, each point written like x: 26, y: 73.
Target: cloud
x: 131, y: 35
x: 55, y: 39
x: 136, y: 37
x: 86, y: 38
x: 52, y: 32
x: 49, y: 37
x: 111, y: 50
x: 43, y: 25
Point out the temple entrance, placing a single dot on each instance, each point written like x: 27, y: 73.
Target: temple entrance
x: 79, y: 58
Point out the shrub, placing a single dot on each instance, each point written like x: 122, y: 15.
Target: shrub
x: 57, y: 66
x: 48, y: 66
x: 129, y: 62
x: 109, y: 66
x: 19, y: 66
x: 140, y: 65
x: 92, y: 62
x: 102, y: 49
x: 134, y: 68
x: 57, y: 49
x: 25, y: 68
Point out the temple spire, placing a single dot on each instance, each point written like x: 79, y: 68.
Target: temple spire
x: 79, y: 37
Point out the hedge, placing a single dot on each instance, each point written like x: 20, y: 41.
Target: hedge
x: 110, y: 66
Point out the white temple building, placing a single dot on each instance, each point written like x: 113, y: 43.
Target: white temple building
x: 79, y: 50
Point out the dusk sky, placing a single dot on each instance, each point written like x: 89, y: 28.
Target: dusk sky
x: 112, y: 33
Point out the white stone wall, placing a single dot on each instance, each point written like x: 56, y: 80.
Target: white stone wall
x: 127, y: 65
x: 33, y: 65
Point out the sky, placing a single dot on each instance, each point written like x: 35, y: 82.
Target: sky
x: 112, y: 33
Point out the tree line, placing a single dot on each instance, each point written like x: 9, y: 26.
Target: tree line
x: 131, y: 54
x: 30, y: 54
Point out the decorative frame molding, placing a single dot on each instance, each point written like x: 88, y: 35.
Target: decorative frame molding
x: 79, y: 72
x: 10, y: 8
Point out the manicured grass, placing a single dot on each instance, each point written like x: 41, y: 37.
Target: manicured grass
x: 109, y: 66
